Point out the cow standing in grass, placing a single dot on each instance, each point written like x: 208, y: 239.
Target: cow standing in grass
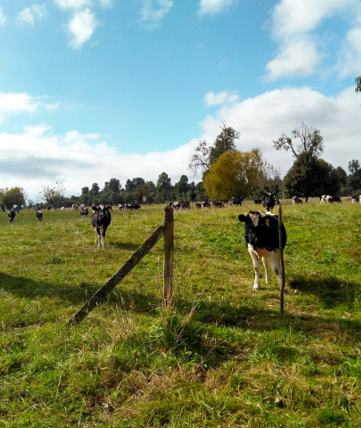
x: 262, y: 241
x: 100, y: 220
x: 11, y: 215
x: 39, y: 215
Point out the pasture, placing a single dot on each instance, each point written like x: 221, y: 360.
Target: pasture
x: 223, y: 356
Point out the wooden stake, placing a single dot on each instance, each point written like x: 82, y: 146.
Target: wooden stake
x: 97, y: 298
x: 168, y: 256
x: 282, y: 265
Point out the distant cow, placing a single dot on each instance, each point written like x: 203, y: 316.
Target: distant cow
x: 218, y: 204
x: 269, y: 199
x: 296, y: 200
x: 206, y: 204
x: 2, y: 208
x: 11, y: 215
x: 74, y: 206
x: 355, y: 199
x: 235, y: 201
x: 336, y: 199
x: 326, y: 199
x: 48, y: 207
x: 100, y: 220
x: 262, y: 241
x: 39, y: 214
x: 257, y: 201
x: 84, y: 211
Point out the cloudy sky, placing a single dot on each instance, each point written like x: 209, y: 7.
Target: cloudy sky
x: 97, y: 89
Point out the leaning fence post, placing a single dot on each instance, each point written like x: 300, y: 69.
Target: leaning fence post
x: 168, y: 256
x: 282, y: 265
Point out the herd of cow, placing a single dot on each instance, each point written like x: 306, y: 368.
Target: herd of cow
x: 264, y: 236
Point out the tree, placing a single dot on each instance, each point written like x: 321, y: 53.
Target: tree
x: 13, y: 196
x: 354, y: 179
x: 358, y: 84
x: 205, y: 156
x: 310, y: 176
x: 200, y: 192
x: 54, y: 195
x: 164, y: 188
x: 235, y: 173
x: 181, y: 188
x: 311, y: 142
x: 112, y: 186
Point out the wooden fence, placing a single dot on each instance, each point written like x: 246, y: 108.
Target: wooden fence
x: 166, y: 230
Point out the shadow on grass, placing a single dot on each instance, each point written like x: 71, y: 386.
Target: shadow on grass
x: 329, y: 290
x: 78, y: 296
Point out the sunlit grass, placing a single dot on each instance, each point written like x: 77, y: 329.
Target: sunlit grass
x: 223, y: 356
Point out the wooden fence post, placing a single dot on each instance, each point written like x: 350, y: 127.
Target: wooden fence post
x: 168, y: 256
x: 115, y: 279
x: 282, y: 265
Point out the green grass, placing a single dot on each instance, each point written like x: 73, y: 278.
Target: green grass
x: 223, y: 356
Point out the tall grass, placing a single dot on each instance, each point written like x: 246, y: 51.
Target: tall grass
x: 223, y: 356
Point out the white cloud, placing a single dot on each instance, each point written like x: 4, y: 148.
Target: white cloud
x: 36, y: 157
x: 2, y: 17
x: 73, y: 4
x: 350, y: 63
x: 262, y: 119
x: 106, y: 3
x: 294, y: 23
x: 81, y: 28
x: 299, y: 58
x: 153, y: 11
x: 214, y: 6
x: 225, y: 97
x: 16, y: 103
x: 31, y: 14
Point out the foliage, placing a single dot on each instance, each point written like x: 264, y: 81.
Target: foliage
x: 13, y: 196
x: 205, y: 156
x: 358, y: 84
x: 354, y: 179
x: 311, y: 142
x: 54, y: 195
x: 235, y: 173
x: 164, y: 188
x: 310, y: 176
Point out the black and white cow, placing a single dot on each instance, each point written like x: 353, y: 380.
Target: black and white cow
x: 296, y: 200
x: 11, y: 215
x: 84, y: 211
x: 218, y: 204
x: 269, y: 199
x: 262, y: 241
x: 39, y: 214
x: 100, y: 220
x: 355, y: 199
x: 235, y: 201
x: 326, y: 199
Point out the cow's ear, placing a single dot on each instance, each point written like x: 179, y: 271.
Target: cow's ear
x: 242, y: 218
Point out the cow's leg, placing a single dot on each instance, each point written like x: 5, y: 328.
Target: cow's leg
x: 103, y: 237
x: 255, y: 260
x: 265, y: 265
x: 97, y: 237
x: 276, y: 267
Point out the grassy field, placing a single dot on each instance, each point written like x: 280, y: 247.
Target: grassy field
x: 223, y: 356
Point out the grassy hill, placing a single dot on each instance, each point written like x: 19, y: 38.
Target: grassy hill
x: 223, y: 356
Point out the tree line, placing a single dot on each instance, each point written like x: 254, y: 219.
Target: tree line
x: 226, y: 172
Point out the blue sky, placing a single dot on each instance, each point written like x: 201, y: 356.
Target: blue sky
x: 96, y: 89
